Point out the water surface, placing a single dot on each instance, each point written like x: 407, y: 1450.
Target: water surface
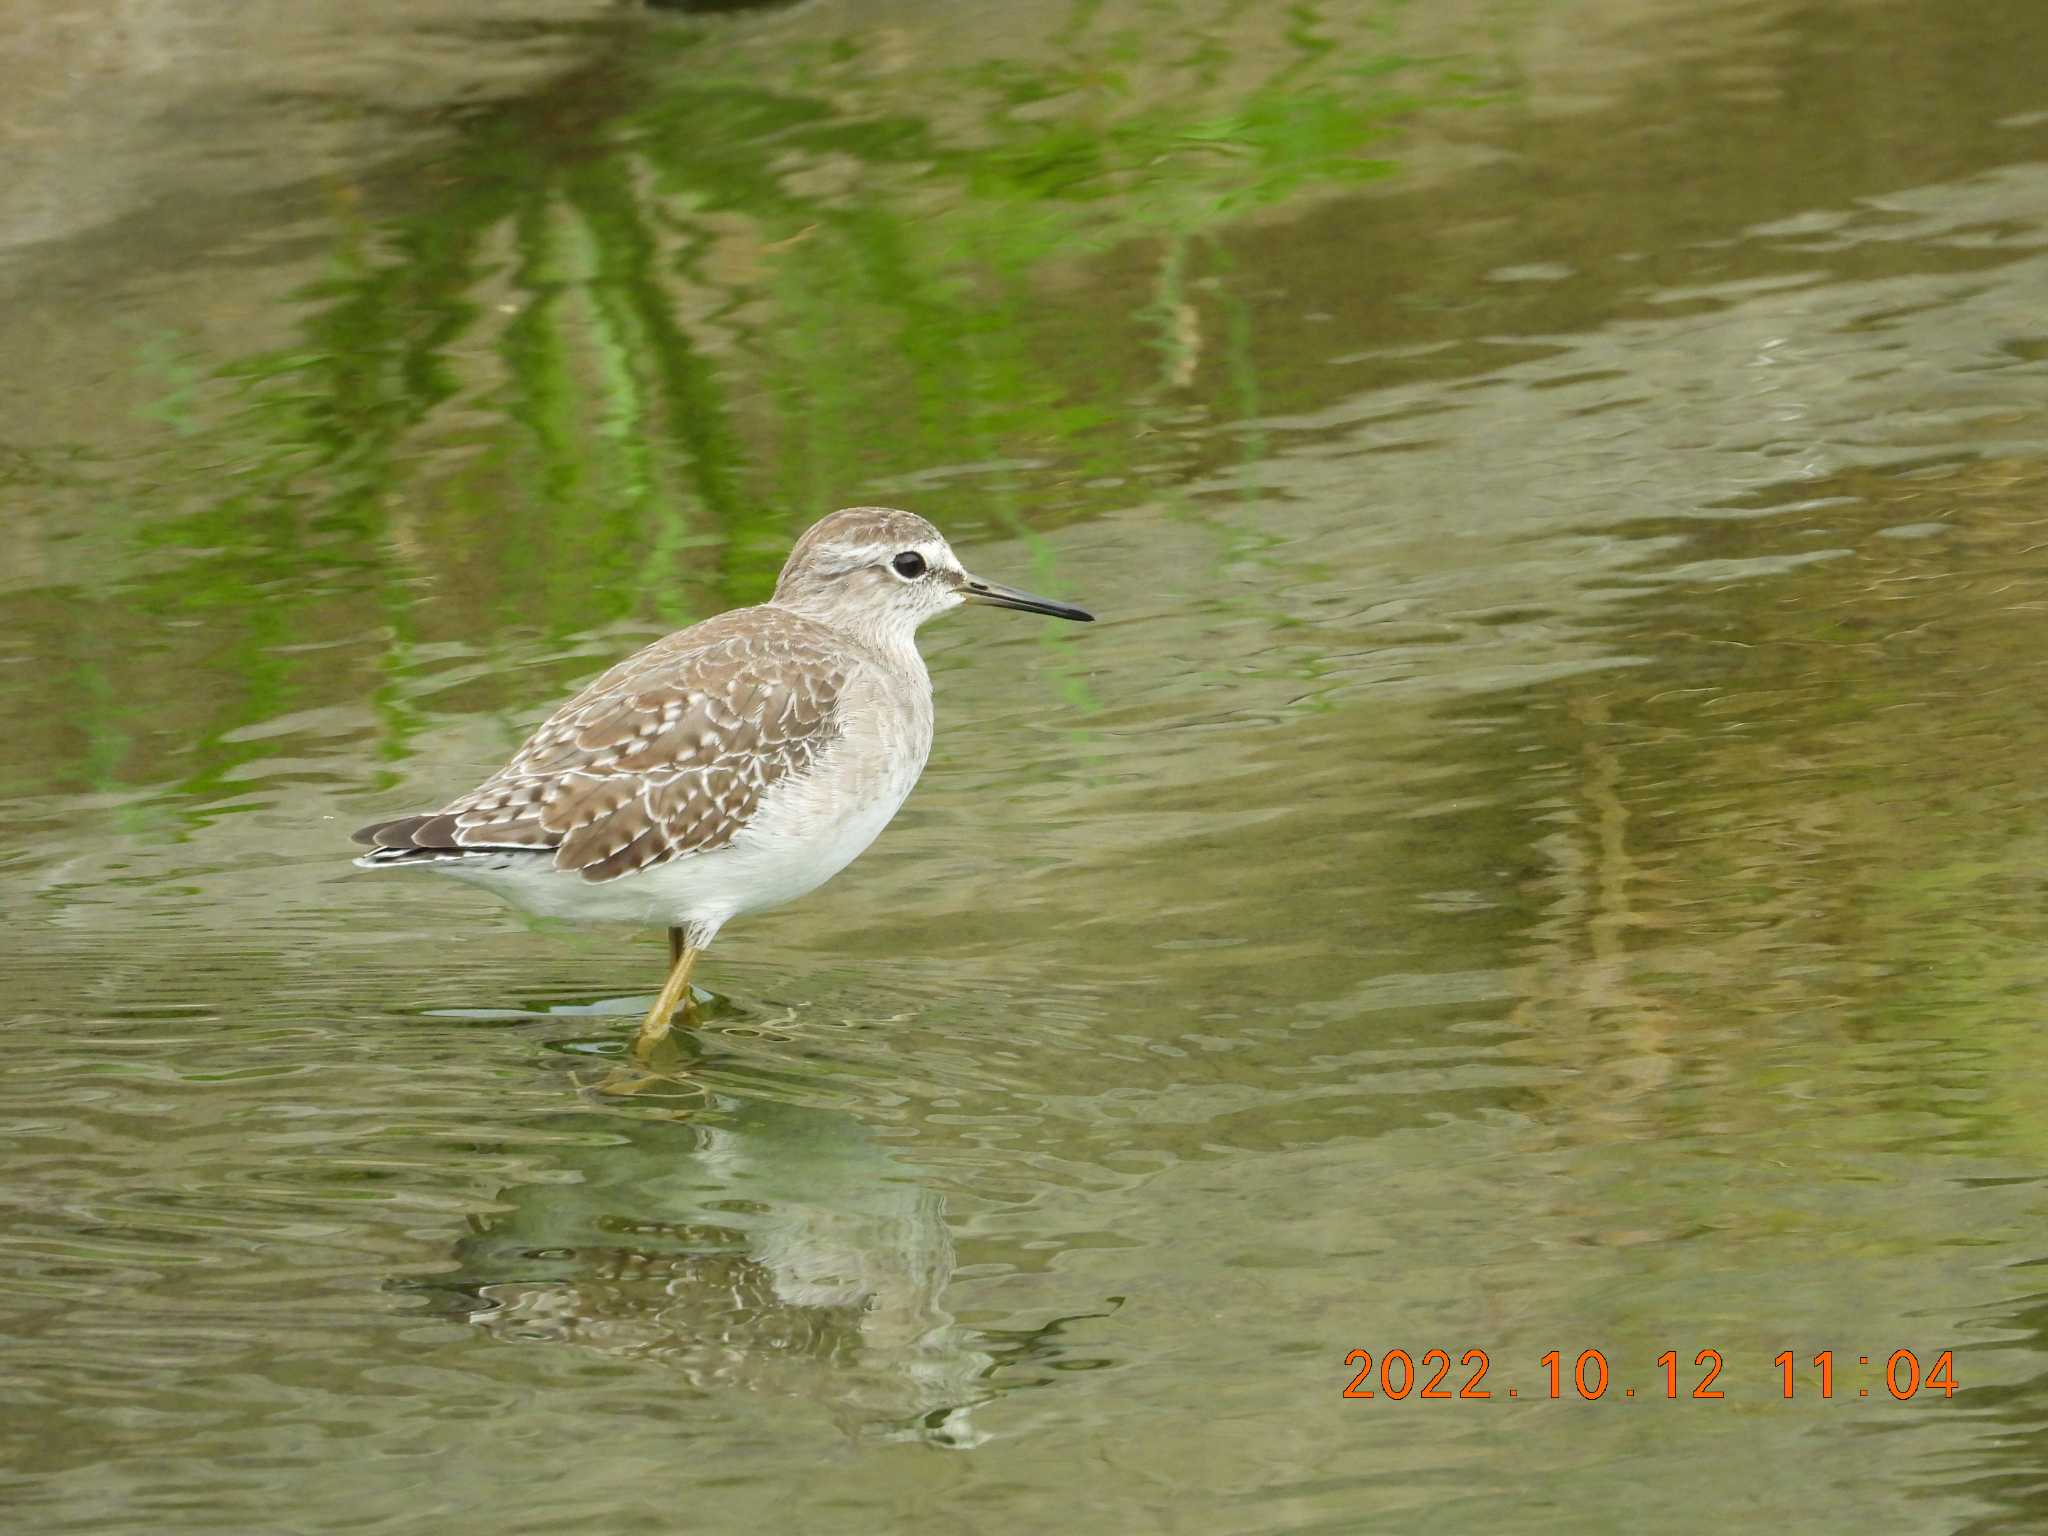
x: 1544, y: 851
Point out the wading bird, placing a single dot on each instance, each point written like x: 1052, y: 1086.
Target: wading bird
x: 731, y: 766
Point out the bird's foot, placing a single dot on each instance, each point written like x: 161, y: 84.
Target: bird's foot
x: 657, y: 1069
x: 672, y: 1010
x: 625, y: 1083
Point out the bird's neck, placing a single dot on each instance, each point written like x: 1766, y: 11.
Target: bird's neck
x: 890, y: 637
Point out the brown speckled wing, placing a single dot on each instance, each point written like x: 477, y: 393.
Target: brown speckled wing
x: 667, y: 754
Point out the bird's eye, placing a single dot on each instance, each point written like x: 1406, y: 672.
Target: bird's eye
x: 909, y: 565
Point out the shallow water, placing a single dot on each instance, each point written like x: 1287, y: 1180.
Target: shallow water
x: 1544, y: 851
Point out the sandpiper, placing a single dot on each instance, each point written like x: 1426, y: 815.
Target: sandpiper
x: 731, y: 766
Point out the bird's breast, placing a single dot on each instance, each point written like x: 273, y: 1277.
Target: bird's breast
x: 810, y: 826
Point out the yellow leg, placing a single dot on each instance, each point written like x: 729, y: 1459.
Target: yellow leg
x: 682, y: 961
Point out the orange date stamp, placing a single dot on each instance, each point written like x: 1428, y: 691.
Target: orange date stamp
x: 1397, y: 1375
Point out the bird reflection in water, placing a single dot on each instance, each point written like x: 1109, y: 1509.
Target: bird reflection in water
x: 759, y: 1246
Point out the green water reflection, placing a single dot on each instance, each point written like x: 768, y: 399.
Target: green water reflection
x: 1544, y: 851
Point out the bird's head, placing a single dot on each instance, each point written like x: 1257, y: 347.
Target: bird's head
x: 875, y: 570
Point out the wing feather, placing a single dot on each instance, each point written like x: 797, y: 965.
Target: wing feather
x: 667, y: 754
